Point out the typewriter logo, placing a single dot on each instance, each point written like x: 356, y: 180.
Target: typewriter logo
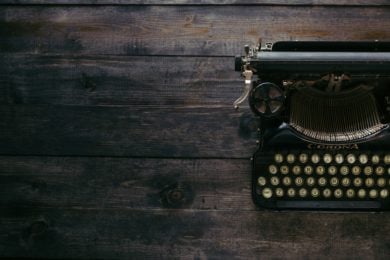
x: 333, y: 147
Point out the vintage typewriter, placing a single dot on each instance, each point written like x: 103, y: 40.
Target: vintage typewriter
x: 324, y: 112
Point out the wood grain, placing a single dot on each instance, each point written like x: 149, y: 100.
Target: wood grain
x: 180, y: 30
x: 123, y: 183
x: 114, y: 80
x: 188, y: 234
x: 218, y: 132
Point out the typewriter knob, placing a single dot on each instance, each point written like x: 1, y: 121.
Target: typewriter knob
x: 266, y: 99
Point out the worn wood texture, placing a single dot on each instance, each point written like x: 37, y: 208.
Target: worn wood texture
x: 201, y: 2
x: 124, y: 131
x: 180, y: 30
x: 112, y: 80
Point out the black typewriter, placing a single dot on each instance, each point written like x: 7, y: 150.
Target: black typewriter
x: 324, y: 114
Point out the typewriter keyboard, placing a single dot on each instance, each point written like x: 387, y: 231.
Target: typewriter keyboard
x: 324, y: 176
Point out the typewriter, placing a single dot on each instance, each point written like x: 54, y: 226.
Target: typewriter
x: 324, y: 112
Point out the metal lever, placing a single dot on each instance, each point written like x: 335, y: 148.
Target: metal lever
x: 247, y: 88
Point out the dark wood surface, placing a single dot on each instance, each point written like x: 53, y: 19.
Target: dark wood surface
x: 118, y: 138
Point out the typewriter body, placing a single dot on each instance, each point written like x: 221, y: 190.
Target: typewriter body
x: 324, y: 114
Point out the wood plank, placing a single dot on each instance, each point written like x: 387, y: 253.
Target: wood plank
x: 114, y: 80
x: 170, y: 234
x: 180, y: 30
x: 218, y: 132
x: 69, y: 182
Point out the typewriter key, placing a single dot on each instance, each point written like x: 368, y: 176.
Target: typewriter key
x: 363, y: 158
x: 339, y: 158
x: 274, y: 181
x: 332, y: 170
x: 327, y: 158
x: 373, y: 194
x: 384, y: 193
x: 369, y: 182
x: 350, y: 193
x: 315, y: 158
x: 334, y: 181
x: 272, y: 169
x: 345, y: 182
x: 361, y: 193
x: 261, y: 181
x: 279, y: 192
x: 367, y: 170
x: 299, y: 181
x: 303, y: 192
x: 326, y: 193
x: 267, y: 193
x: 315, y: 192
x: 387, y: 159
x: 351, y: 158
x: 296, y: 170
x: 290, y: 158
x: 379, y: 170
x: 310, y: 181
x: 322, y: 181
x: 344, y: 170
x: 287, y: 181
x: 357, y: 182
x: 291, y: 192
x: 381, y: 182
x: 308, y: 170
x: 278, y: 158
x: 375, y: 159
x: 284, y: 169
x: 320, y: 170
x: 356, y: 170
x: 303, y: 158
x: 338, y: 193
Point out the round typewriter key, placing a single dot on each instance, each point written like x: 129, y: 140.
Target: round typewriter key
x: 278, y: 158
x: 361, y: 193
x: 303, y: 192
x: 303, y: 158
x: 327, y: 158
x: 384, y: 193
x: 332, y: 170
x: 296, y: 170
x: 351, y: 158
x: 379, y: 170
x: 291, y: 192
x: 267, y: 193
x: 287, y: 181
x: 356, y: 170
x: 363, y: 158
x: 322, y: 181
x: 299, y: 181
x: 338, y: 193
x: 350, y: 193
x: 315, y: 158
x: 357, y: 182
x: 310, y: 181
x: 381, y: 182
x: 261, y: 181
x: 367, y: 170
x: 308, y: 170
x: 373, y: 194
x: 290, y: 158
x: 315, y: 193
x: 274, y: 181
x: 345, y: 182
x: 320, y: 170
x: 284, y: 169
x: 375, y: 159
x: 344, y: 170
x: 279, y: 192
x: 334, y: 181
x: 387, y: 159
x: 339, y: 158
x: 369, y: 182
x: 273, y: 169
x: 326, y: 193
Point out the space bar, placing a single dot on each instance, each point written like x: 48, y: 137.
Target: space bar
x: 328, y: 204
